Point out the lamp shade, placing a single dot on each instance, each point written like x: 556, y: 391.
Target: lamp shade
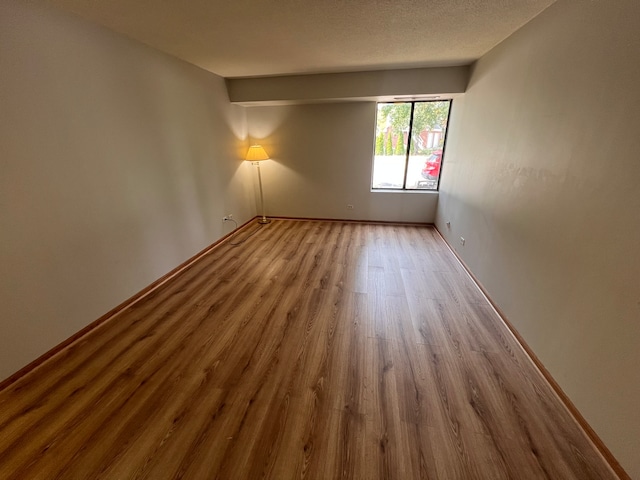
x: 256, y: 153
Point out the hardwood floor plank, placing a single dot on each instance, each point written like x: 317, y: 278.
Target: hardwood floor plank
x: 310, y: 349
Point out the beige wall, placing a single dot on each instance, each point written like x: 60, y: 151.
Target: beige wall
x: 321, y: 162
x: 348, y: 86
x: 542, y: 179
x: 116, y: 164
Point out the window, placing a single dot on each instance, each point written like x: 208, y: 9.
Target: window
x: 410, y: 143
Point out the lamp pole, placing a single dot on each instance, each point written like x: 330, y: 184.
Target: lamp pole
x: 255, y: 154
x: 264, y: 219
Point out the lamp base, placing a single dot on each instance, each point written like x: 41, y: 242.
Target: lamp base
x: 264, y: 221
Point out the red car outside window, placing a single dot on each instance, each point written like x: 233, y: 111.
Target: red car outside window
x: 431, y: 169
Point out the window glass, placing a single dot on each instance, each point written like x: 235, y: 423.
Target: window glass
x: 410, y: 141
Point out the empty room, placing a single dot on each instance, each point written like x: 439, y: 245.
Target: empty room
x: 364, y: 240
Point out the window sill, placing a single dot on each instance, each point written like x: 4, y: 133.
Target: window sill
x: 398, y: 190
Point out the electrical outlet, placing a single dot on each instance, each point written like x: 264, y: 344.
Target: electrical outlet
x: 462, y: 241
x: 230, y: 216
x: 349, y: 207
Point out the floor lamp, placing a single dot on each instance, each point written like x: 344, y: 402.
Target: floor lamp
x: 255, y: 155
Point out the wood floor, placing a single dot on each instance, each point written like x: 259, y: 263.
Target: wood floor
x: 320, y: 350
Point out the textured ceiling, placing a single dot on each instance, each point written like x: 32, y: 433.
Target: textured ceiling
x: 236, y: 38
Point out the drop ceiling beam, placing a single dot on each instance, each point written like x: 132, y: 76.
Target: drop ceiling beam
x: 351, y: 86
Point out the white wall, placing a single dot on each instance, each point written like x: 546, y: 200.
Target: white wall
x: 321, y: 162
x: 542, y: 179
x: 116, y: 165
